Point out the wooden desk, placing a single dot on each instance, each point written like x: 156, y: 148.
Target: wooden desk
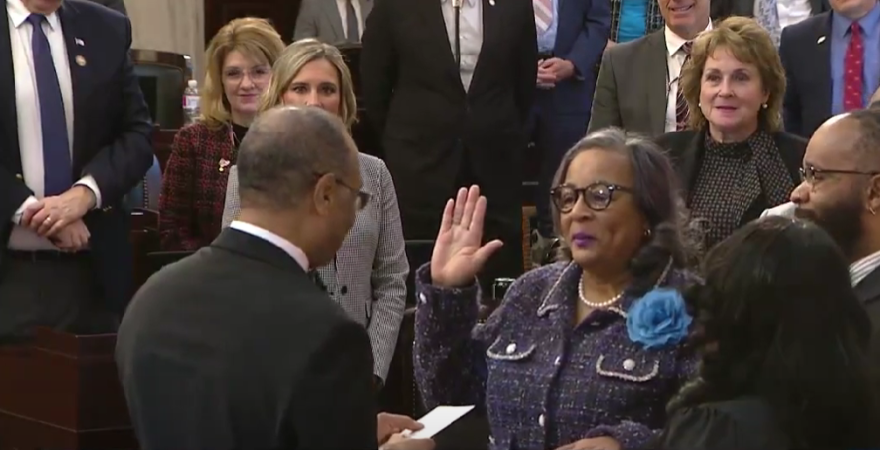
x: 62, y: 391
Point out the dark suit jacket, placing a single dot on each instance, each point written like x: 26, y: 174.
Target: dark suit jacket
x: 111, y: 135
x: 583, y: 30
x: 117, y: 5
x: 722, y: 9
x: 413, y: 94
x: 194, y: 187
x: 805, y: 50
x: 868, y: 291
x: 686, y: 150
x: 234, y: 347
x: 631, y: 88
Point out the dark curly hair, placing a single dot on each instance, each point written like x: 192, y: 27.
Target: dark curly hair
x: 655, y: 189
x: 777, y: 318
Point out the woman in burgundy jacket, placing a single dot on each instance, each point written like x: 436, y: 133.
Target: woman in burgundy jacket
x: 240, y: 58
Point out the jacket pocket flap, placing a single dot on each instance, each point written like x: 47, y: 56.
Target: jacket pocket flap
x: 509, y: 350
x: 636, y: 369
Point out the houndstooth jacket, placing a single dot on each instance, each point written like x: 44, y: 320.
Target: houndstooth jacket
x: 368, y: 276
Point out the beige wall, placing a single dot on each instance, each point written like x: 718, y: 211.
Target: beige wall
x: 176, y: 26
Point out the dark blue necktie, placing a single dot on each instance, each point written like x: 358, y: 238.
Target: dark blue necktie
x: 56, y: 146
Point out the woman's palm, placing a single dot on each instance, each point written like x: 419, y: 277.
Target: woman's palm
x: 458, y: 255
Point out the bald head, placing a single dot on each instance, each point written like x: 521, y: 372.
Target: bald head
x: 854, y: 137
x: 284, y: 151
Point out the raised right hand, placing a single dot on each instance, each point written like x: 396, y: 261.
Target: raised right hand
x: 458, y: 255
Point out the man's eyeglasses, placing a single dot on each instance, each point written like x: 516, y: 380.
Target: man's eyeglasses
x: 597, y: 196
x: 810, y: 174
x: 361, y: 198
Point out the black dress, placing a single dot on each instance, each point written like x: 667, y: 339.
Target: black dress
x: 743, y: 424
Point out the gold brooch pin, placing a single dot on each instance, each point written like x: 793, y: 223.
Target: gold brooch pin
x: 81, y: 60
x: 223, y: 163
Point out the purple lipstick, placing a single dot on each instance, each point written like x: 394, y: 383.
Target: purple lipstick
x: 583, y: 240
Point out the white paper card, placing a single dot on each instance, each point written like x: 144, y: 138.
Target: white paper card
x: 438, y: 419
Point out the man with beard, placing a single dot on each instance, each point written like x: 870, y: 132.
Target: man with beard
x: 840, y: 191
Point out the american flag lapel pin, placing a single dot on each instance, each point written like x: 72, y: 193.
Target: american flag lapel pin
x: 821, y: 40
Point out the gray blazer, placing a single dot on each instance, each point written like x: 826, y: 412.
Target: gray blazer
x: 117, y: 5
x: 631, y: 87
x: 320, y: 19
x: 368, y: 277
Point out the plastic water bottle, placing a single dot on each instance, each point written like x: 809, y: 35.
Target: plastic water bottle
x: 191, y: 102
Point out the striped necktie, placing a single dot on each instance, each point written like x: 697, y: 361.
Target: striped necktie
x: 681, y: 107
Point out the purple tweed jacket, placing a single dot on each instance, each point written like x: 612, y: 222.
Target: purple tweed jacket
x: 544, y: 383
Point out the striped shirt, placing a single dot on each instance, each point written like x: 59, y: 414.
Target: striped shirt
x: 863, y: 267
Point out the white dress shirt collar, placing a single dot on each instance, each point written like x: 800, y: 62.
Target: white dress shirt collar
x: 674, y: 41
x: 863, y: 267
x: 18, y: 13
x: 295, y: 252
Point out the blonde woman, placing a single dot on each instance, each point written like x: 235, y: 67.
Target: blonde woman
x: 240, y: 58
x: 368, y: 276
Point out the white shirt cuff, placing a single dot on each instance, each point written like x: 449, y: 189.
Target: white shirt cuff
x: 16, y: 218
x: 89, y: 182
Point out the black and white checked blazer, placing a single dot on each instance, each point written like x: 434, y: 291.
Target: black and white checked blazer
x: 368, y: 276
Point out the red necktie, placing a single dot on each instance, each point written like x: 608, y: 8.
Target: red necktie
x: 681, y: 106
x: 852, y: 67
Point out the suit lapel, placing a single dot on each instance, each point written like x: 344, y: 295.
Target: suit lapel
x: 332, y: 13
x: 868, y: 290
x: 822, y: 44
x: 689, y: 163
x: 432, y: 15
x: 491, y: 16
x: 78, y: 70
x: 8, y: 113
x: 366, y: 7
x: 655, y: 75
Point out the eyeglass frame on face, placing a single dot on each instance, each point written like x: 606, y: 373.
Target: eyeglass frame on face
x: 581, y: 195
x: 238, y: 77
x: 361, y: 198
x: 808, y: 173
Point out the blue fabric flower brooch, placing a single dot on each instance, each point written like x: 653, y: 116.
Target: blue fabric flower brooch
x: 659, y: 318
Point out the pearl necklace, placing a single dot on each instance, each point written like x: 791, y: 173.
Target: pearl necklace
x: 596, y: 305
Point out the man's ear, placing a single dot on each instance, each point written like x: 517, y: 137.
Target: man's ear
x: 322, y: 195
x: 872, y: 195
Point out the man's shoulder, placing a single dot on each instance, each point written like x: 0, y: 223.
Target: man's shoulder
x: 805, y: 29
x: 93, y: 10
x: 644, y: 43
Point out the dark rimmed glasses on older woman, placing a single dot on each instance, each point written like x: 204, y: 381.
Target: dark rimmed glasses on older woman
x: 597, y: 196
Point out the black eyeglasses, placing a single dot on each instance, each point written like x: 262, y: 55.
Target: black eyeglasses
x: 597, y: 196
x: 361, y: 199
x: 810, y: 174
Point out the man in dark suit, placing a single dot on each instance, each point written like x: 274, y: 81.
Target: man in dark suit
x: 74, y: 139
x: 571, y: 38
x: 637, y: 86
x: 236, y: 346
x: 446, y: 124
x: 116, y: 5
x: 841, y: 193
x: 817, y: 55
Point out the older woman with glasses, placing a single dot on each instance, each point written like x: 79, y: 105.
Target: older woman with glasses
x: 240, y: 58
x: 583, y: 353
x: 368, y: 276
